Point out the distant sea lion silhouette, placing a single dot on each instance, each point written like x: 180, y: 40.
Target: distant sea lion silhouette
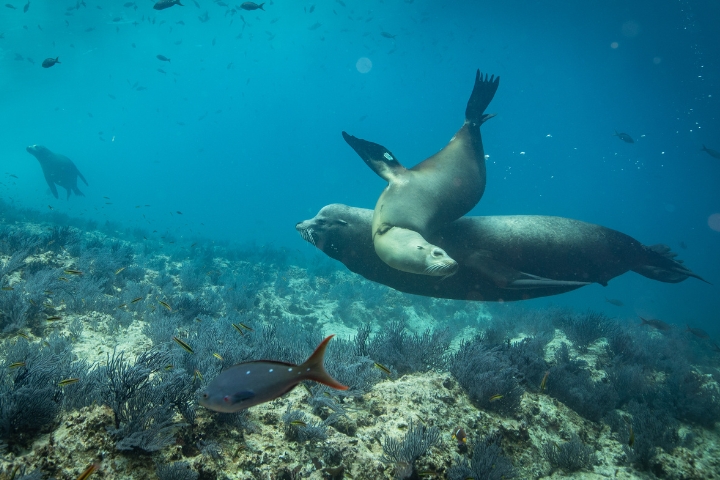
x: 440, y: 189
x: 501, y: 258
x: 58, y: 169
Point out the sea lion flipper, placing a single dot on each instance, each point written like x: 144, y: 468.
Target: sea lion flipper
x: 81, y: 177
x: 660, y: 265
x: 377, y: 157
x: 506, y: 277
x: 482, y: 94
x: 51, y: 184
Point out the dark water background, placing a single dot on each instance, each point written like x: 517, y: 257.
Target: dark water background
x: 262, y: 106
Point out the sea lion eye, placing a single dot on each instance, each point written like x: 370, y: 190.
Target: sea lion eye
x: 205, y: 395
x: 420, y: 247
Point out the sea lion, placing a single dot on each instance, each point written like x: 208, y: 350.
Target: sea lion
x: 711, y: 152
x: 57, y: 169
x: 501, y: 258
x: 440, y: 189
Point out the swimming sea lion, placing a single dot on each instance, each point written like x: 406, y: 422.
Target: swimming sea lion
x: 419, y: 200
x: 500, y: 258
x: 57, y: 169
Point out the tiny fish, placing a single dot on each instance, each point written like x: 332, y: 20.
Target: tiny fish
x: 49, y: 62
x: 163, y: 4
x: 657, y: 324
x: 68, y: 381
x: 197, y: 375
x: 73, y: 272
x: 89, y: 471
x: 495, y: 398
x: 183, y: 345
x: 162, y: 58
x: 21, y: 334
x: 383, y: 368
x: 63, y: 279
x: 10, y: 6
x: 122, y: 305
x: 7, y: 289
x: 624, y: 137
x: 387, y: 35
x: 252, y: 383
x: 162, y: 71
x: 251, y: 6
x: 543, y: 384
x: 631, y: 439
x: 165, y: 305
x: 135, y: 300
x: 711, y: 152
x: 26, y: 7
x: 218, y: 356
x: 245, y: 326
x: 119, y: 270
x: 179, y: 212
x: 615, y: 302
x: 16, y: 365
x: 299, y: 423
x: 698, y: 332
x: 315, y: 26
x: 237, y: 327
x: 460, y: 436
x: 53, y: 318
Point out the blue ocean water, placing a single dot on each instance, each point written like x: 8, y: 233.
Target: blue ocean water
x: 241, y: 132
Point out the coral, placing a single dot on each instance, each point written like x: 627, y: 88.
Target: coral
x: 488, y: 463
x: 418, y: 440
x: 488, y: 377
x: 652, y: 429
x: 571, y: 456
x: 583, y: 329
x: 571, y: 383
x: 176, y: 471
x: 408, y: 353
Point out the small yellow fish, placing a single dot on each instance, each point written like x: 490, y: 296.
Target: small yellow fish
x: 197, y: 375
x: 68, y: 381
x: 217, y: 355
x: 183, y: 345
x: 495, y: 397
x: 165, y: 305
x: 119, y: 270
x: 16, y: 365
x: 135, y: 300
x: 23, y: 335
x: 299, y: 423
x: 383, y: 368
x: 168, y: 367
x: 73, y: 272
x: 123, y: 305
x: 7, y: 289
x: 89, y: 471
x: 245, y: 326
x: 63, y: 279
x: 53, y: 318
x: 631, y: 440
x: 237, y: 327
x: 543, y: 384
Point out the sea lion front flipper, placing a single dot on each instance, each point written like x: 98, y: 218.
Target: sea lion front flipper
x: 481, y: 96
x: 51, y: 184
x: 506, y: 277
x: 377, y: 157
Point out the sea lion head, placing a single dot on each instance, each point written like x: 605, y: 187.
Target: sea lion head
x: 408, y: 251
x: 39, y: 152
x: 336, y: 227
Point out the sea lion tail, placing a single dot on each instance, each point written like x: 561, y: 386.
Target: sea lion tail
x: 660, y: 265
x: 481, y: 96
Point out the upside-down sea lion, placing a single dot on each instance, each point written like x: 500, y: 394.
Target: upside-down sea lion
x: 58, y: 169
x: 419, y: 200
x: 500, y: 258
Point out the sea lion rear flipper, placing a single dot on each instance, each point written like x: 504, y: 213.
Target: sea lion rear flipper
x: 533, y: 281
x: 51, y: 184
x: 377, y: 157
x: 660, y: 265
x: 481, y: 96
